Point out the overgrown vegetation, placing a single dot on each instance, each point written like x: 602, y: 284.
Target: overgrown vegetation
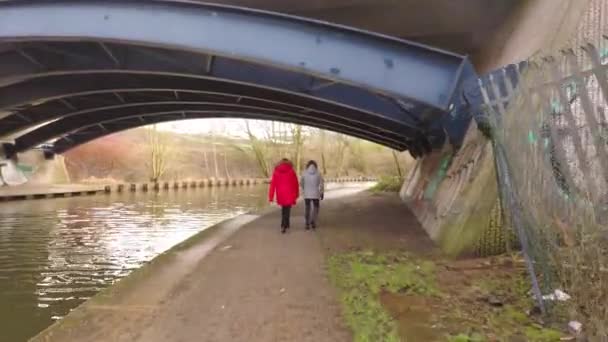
x: 393, y: 296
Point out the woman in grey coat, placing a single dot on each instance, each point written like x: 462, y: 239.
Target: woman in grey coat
x: 312, y: 188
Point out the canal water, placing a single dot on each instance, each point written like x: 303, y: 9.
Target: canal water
x: 57, y: 253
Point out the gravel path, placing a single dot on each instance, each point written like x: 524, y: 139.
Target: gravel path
x: 259, y: 285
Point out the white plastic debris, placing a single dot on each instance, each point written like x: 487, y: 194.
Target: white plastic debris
x: 561, y: 295
x: 558, y: 295
x: 225, y: 248
x: 282, y: 290
x: 575, y: 327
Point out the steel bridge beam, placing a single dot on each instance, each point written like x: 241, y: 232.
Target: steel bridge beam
x: 56, y: 54
x: 92, y: 132
x: 14, y: 70
x: 113, y: 113
x: 68, y: 87
x: 409, y: 71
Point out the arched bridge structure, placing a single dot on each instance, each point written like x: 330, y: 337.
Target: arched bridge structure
x: 72, y: 71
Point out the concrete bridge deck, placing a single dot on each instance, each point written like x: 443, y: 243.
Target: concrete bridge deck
x: 255, y: 285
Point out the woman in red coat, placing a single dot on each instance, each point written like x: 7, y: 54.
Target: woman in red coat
x: 285, y: 184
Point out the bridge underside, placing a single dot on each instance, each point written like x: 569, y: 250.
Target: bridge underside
x: 71, y: 72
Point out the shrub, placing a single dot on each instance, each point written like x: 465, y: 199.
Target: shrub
x: 388, y: 184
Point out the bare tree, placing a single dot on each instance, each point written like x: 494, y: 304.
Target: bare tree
x: 397, y: 164
x: 159, y: 152
x: 212, y: 154
x: 298, y: 141
x: 205, y: 162
x: 358, y: 161
x: 341, y: 146
x: 259, y: 150
x: 323, y: 135
x: 226, y: 166
x: 213, y: 143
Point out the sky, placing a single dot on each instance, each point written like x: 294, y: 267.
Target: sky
x: 230, y: 127
x: 235, y: 128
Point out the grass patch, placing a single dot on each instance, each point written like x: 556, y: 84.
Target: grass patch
x: 393, y: 296
x: 362, y: 276
x: 388, y: 184
x: 540, y: 334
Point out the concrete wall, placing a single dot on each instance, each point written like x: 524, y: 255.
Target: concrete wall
x: 454, y: 203
x: 536, y: 27
x: 44, y: 171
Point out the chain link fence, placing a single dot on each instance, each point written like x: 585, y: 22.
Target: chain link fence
x: 550, y: 138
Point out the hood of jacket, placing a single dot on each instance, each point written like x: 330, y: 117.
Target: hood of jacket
x: 283, y: 168
x: 311, y: 170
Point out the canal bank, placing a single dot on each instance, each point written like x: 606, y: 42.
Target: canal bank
x: 45, y: 191
x: 130, y: 308
x: 31, y: 192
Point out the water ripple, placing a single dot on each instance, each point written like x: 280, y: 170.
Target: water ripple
x: 55, y: 254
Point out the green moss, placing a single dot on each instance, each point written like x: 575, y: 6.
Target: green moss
x: 538, y: 334
x: 466, y: 338
x: 514, y: 315
x: 471, y: 214
x: 362, y: 276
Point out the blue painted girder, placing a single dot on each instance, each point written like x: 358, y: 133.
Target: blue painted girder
x: 391, y: 81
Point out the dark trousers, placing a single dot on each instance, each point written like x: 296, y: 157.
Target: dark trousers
x: 285, y: 214
x: 311, y: 215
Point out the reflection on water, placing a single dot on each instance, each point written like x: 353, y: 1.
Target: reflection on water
x: 55, y: 254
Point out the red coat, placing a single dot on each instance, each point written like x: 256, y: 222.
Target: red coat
x: 285, y: 184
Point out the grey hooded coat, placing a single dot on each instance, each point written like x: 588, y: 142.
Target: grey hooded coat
x: 312, y: 183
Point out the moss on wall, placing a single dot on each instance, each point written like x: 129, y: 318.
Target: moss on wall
x: 463, y: 215
x: 470, y: 216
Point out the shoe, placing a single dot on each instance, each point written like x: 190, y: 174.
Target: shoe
x: 307, y: 227
x: 314, y: 226
x: 283, y: 230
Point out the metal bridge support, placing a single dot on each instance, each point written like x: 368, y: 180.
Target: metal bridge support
x: 73, y: 71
